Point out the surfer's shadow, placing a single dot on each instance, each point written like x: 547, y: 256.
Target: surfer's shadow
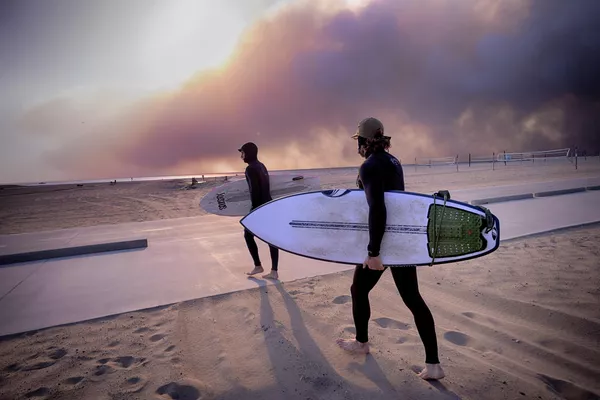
x: 372, y: 371
x: 309, y: 346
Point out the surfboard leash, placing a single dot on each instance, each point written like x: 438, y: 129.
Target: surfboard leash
x: 446, y: 195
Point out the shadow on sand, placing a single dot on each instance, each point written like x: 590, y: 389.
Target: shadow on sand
x: 302, y: 371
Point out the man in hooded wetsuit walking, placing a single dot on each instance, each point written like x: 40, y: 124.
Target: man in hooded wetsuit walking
x: 257, y: 177
x: 381, y: 172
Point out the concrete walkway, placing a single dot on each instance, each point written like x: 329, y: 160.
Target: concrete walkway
x: 189, y: 258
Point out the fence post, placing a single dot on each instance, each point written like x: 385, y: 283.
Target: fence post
x: 575, y: 157
x: 469, y: 159
x: 493, y: 160
x: 456, y: 161
x: 415, y: 164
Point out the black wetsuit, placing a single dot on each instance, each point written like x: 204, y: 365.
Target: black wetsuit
x: 257, y: 177
x: 382, y: 172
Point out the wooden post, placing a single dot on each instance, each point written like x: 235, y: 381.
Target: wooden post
x: 415, y: 164
x: 456, y: 161
x: 493, y: 160
x: 469, y: 159
x: 575, y: 157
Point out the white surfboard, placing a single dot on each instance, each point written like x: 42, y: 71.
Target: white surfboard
x: 233, y: 198
x: 332, y: 225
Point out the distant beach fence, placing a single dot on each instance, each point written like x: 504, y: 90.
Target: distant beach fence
x: 505, y: 158
x: 533, y: 155
x: 436, y: 162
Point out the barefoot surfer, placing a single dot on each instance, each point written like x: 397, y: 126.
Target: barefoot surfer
x: 257, y: 177
x: 381, y: 172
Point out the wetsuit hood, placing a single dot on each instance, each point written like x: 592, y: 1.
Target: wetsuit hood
x: 250, y: 152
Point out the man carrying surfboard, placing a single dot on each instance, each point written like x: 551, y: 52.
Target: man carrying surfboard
x: 381, y: 172
x: 257, y: 177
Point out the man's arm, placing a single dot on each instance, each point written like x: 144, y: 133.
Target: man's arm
x: 253, y: 185
x: 374, y: 191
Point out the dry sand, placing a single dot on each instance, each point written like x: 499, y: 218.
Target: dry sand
x: 521, y: 323
x: 40, y: 208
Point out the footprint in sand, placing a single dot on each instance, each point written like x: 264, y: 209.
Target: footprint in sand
x: 459, y: 339
x: 249, y: 316
x: 142, y: 330
x: 13, y: 368
x: 102, y: 370
x: 566, y: 389
x: 342, y: 299
x: 170, y: 349
x: 391, y: 323
x: 123, y: 362
x: 74, y: 380
x: 134, y: 385
x: 474, y: 316
x: 294, y: 293
x: 114, y: 344
x: 350, y: 329
x: 38, y: 393
x: 157, y: 337
x: 180, y: 392
x: 57, y: 354
x: 402, y: 339
x: 39, y: 365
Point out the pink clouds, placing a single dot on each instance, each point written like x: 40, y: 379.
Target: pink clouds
x: 445, y: 77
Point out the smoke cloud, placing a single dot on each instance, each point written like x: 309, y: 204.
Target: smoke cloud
x: 445, y: 77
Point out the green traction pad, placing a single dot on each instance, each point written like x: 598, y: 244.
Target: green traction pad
x: 458, y: 231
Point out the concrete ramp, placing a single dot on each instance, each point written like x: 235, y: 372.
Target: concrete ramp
x: 72, y: 251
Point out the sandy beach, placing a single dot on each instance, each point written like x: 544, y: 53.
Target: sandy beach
x: 47, y: 207
x: 521, y: 323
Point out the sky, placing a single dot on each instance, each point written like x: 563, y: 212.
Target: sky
x: 106, y: 89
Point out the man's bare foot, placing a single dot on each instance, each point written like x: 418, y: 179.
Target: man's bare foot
x: 353, y: 346
x: 432, y: 371
x: 271, y: 275
x: 256, y: 270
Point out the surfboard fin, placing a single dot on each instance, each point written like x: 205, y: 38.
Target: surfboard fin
x: 443, y: 194
x: 489, y: 219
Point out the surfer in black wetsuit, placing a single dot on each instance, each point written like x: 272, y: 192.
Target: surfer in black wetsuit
x: 257, y: 177
x: 382, y: 172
